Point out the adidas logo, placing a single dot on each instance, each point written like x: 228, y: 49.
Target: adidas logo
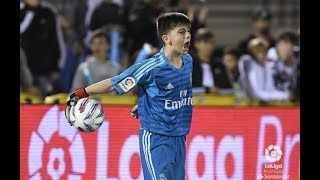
x: 169, y: 86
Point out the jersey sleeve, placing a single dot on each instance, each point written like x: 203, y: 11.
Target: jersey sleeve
x: 135, y: 74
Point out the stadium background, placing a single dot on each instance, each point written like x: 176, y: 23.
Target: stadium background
x: 226, y: 16
x: 228, y: 136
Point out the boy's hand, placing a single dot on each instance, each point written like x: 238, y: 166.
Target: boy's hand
x: 134, y: 112
x: 72, y: 101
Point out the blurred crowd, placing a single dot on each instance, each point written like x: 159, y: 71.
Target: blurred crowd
x: 62, y: 49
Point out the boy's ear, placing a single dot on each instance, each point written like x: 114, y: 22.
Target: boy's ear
x: 166, y: 39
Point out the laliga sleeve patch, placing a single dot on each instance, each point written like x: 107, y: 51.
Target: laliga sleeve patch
x: 127, y: 83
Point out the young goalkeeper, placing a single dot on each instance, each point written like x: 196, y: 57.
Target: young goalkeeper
x: 164, y: 99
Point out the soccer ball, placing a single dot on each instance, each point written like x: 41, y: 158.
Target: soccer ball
x: 87, y: 115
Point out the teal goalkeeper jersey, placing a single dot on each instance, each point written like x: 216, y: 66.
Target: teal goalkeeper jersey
x: 164, y: 93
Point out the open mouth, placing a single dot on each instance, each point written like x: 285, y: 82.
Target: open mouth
x: 186, y: 45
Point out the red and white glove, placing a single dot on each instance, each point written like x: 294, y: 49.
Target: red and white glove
x: 72, y: 101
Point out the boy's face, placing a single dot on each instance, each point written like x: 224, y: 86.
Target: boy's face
x: 285, y: 50
x: 99, y: 46
x: 260, y: 54
x: 179, y: 38
x: 230, y: 62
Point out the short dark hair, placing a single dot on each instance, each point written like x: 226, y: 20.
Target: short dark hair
x: 203, y: 34
x: 261, y: 14
x: 168, y: 21
x: 288, y: 36
x: 100, y: 34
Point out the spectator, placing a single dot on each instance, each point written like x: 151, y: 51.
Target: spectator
x: 90, y: 6
x: 78, y: 20
x: 208, y: 74
x: 261, y: 25
x: 256, y: 79
x: 284, y: 61
x: 230, y: 62
x: 26, y: 79
x: 96, y: 67
x: 109, y: 16
x: 202, y: 75
x: 141, y: 26
x: 42, y: 41
x: 69, y: 68
x: 105, y: 14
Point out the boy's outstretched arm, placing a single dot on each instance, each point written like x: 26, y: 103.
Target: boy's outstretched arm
x: 101, y: 87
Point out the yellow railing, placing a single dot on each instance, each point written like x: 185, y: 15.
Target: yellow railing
x: 26, y: 98
x: 198, y: 100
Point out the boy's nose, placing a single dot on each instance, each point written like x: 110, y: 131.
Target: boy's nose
x: 188, y: 36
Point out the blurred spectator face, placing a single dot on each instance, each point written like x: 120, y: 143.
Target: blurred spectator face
x: 260, y: 54
x: 285, y: 50
x: 205, y: 47
x: 258, y: 48
x: 285, y: 45
x: 33, y: 3
x: 204, y: 42
x: 99, y: 46
x: 262, y: 26
x: 230, y: 62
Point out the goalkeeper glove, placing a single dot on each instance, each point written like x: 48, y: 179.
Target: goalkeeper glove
x: 72, y: 101
x: 134, y: 112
